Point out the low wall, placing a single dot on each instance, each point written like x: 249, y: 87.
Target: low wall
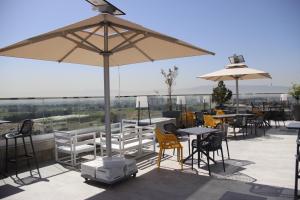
x: 43, y: 145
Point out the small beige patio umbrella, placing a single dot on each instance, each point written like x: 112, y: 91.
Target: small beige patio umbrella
x: 103, y: 40
x: 239, y: 71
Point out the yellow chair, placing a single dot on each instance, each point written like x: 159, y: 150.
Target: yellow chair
x: 188, y: 119
x: 257, y: 112
x: 219, y: 112
x: 168, y: 141
x: 209, y: 121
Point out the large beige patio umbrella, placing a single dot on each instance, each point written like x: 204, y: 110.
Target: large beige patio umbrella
x: 103, y: 40
x: 239, y: 71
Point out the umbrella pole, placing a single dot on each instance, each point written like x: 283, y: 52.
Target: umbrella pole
x: 237, y: 94
x: 106, y: 92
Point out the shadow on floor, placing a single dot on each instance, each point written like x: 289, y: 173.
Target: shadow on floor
x: 8, y: 190
x: 163, y: 184
x: 239, y: 196
x: 156, y: 184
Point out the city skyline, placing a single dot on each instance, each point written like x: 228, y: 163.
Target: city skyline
x: 268, y: 40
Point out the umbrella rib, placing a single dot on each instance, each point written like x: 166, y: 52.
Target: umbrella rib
x: 124, y: 42
x: 76, y: 46
x: 128, y: 46
x: 133, y: 44
x: 163, y: 37
x: 45, y: 36
x: 81, y: 45
x: 87, y: 42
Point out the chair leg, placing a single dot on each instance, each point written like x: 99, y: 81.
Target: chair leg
x: 178, y: 154
x: 234, y: 133
x: 6, y: 154
x: 208, y: 162
x: 101, y: 152
x: 35, y: 158
x: 192, y: 158
x: 181, y: 158
x: 16, y: 157
x: 223, y: 159
x: 227, y: 148
x: 159, y: 157
x: 174, y: 152
x: 26, y: 153
x: 198, y: 158
x: 189, y: 143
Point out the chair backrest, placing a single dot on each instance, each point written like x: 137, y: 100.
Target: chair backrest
x: 214, y: 141
x: 241, y: 120
x: 160, y: 136
x: 224, y: 128
x: 190, y: 119
x: 199, y: 118
x: 219, y: 112
x: 209, y: 121
x: 170, y: 128
x: 128, y: 123
x: 26, y: 128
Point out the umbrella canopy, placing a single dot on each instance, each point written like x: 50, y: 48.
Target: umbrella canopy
x: 82, y: 43
x: 240, y: 71
x: 236, y: 72
x: 103, y: 40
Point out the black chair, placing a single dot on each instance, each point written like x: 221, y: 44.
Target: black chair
x: 257, y: 122
x: 24, y: 132
x: 211, y: 143
x: 199, y: 118
x: 170, y: 128
x: 241, y: 123
x: 224, y: 129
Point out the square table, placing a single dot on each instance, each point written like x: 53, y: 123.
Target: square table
x: 294, y: 125
x: 199, y: 132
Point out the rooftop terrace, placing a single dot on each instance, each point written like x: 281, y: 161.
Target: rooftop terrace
x: 261, y: 167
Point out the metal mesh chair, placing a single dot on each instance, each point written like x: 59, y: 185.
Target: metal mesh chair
x: 211, y: 143
x: 24, y: 132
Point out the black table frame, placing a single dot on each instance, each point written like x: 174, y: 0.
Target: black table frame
x: 199, y: 137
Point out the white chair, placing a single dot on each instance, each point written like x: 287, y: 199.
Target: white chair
x: 115, y: 128
x: 73, y: 143
x: 147, y: 137
x: 127, y: 123
x: 130, y: 139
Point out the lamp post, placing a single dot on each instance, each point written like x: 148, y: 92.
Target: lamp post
x: 142, y: 102
x: 181, y: 100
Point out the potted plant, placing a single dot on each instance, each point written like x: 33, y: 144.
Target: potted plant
x: 295, y: 93
x: 221, y: 94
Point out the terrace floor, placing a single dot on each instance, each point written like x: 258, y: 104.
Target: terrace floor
x: 260, y: 168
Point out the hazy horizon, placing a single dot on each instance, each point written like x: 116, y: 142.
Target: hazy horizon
x: 265, y: 32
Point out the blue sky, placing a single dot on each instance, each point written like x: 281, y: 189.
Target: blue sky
x: 266, y: 32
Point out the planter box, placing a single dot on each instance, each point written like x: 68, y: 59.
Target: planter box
x: 296, y: 112
x: 173, y: 114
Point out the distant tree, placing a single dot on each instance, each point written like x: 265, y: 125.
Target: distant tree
x: 170, y: 76
x: 221, y: 94
x: 295, y: 92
